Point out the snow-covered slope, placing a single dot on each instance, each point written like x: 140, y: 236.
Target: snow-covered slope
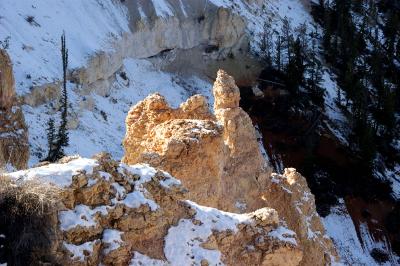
x: 34, y: 29
x: 340, y: 227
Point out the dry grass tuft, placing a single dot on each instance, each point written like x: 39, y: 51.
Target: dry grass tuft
x: 28, y: 219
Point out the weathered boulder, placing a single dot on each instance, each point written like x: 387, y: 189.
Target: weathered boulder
x: 14, y: 148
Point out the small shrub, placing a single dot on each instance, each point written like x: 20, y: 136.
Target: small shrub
x: 201, y: 19
x: 31, y: 20
x: 104, y: 115
x: 211, y: 48
x: 5, y: 44
x: 123, y: 75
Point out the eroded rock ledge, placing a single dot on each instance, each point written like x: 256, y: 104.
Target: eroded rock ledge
x: 218, y: 159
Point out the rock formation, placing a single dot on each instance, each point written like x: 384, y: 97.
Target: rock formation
x: 109, y: 213
x: 14, y: 149
x: 290, y: 196
x: 214, y: 156
x: 218, y: 159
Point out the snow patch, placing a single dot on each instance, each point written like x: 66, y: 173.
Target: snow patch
x: 284, y: 234
x: 112, y: 238
x: 57, y: 174
x: 140, y: 259
x: 81, y: 215
x: 78, y: 251
x: 183, y: 242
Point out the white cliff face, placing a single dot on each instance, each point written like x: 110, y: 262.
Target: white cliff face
x: 156, y: 27
x: 101, y: 34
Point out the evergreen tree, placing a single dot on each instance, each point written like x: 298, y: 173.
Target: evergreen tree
x: 51, y: 139
x: 266, y: 46
x: 57, y: 142
x: 295, y: 68
x: 278, y: 58
x: 314, y: 73
x: 287, y: 38
x: 63, y: 139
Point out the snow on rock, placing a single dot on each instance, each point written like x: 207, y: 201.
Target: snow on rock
x: 78, y: 251
x: 137, y: 198
x: 112, y: 238
x: 185, y: 243
x: 135, y: 215
x: 140, y: 259
x: 284, y: 234
x: 57, y: 174
x: 81, y: 216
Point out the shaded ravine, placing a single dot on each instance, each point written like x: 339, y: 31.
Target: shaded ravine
x: 300, y: 140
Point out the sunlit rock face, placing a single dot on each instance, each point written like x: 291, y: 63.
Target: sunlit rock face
x: 14, y: 149
x: 7, y: 82
x: 217, y: 157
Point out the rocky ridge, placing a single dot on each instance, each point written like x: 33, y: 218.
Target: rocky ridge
x: 217, y: 158
x: 110, y: 213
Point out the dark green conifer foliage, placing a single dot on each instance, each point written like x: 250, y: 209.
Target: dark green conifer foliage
x: 63, y: 139
x: 51, y: 138
x: 57, y: 142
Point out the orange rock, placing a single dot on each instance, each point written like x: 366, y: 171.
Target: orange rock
x: 218, y: 159
x: 14, y: 148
